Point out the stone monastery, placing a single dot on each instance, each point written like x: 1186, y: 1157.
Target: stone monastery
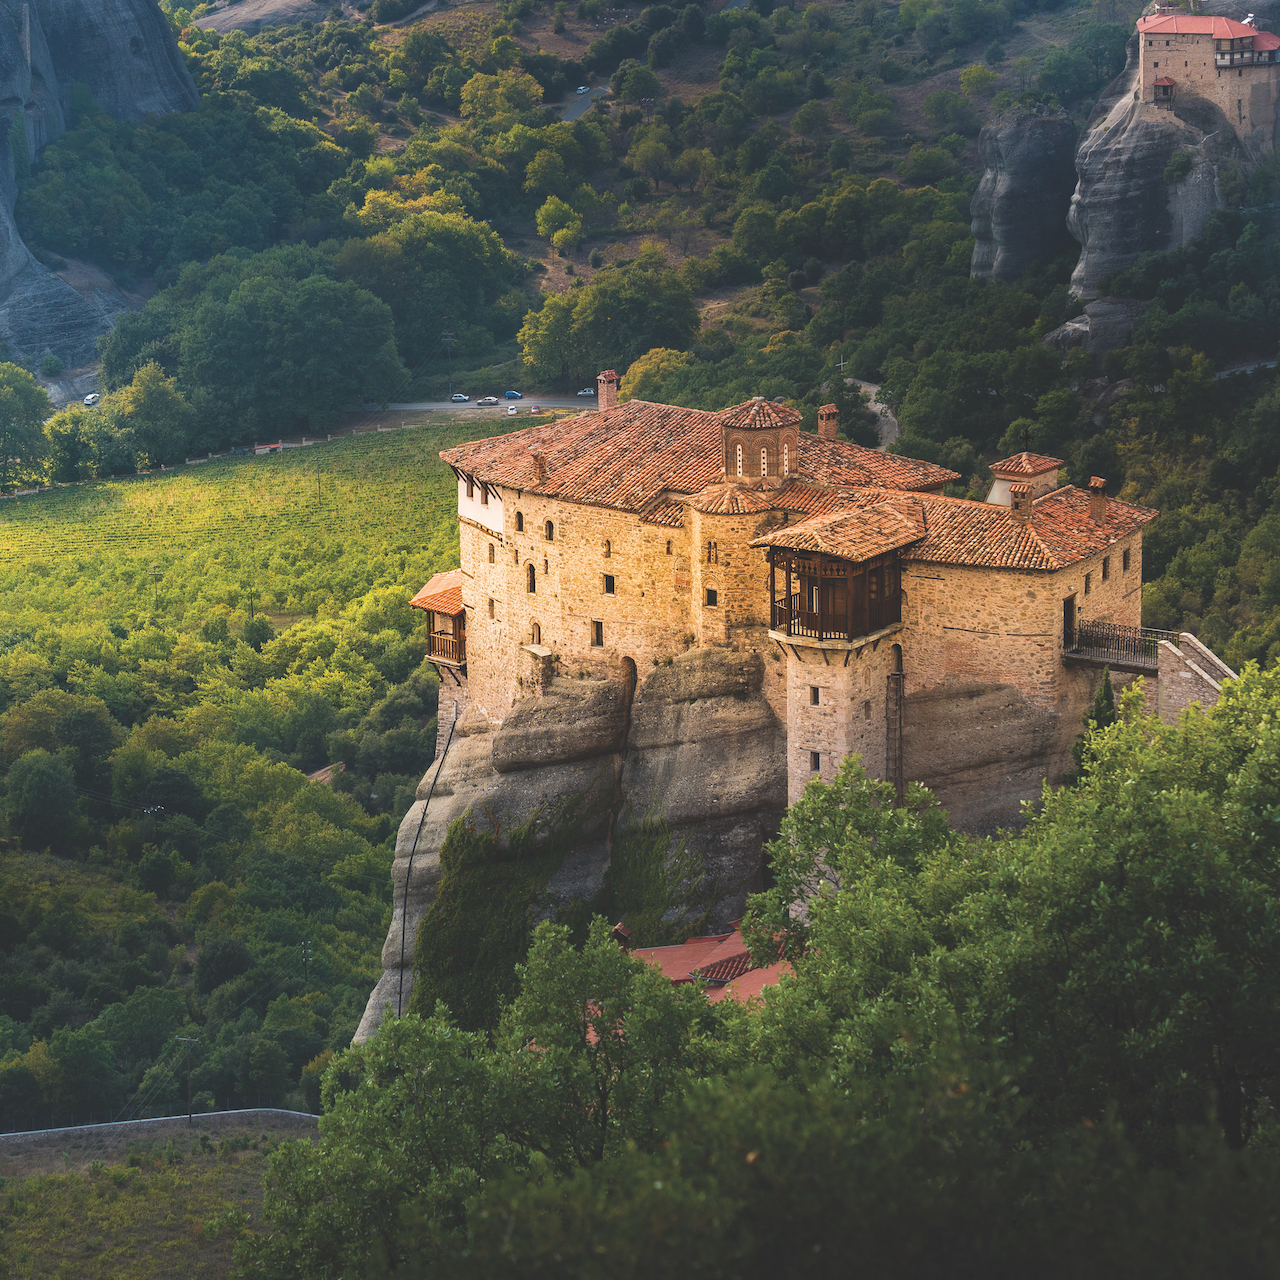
x: 946, y: 640
x: 1233, y: 64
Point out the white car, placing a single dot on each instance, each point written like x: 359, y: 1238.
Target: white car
x: 487, y: 400
x: 584, y: 88
x: 91, y: 400
x: 587, y: 391
x: 459, y: 398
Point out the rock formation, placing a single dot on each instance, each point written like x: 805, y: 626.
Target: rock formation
x: 697, y: 739
x: 1107, y: 325
x: 124, y: 51
x: 1020, y: 204
x: 1122, y: 205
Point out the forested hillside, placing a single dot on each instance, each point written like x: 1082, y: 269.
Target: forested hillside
x: 176, y: 655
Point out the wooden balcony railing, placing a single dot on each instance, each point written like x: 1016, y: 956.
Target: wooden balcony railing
x: 1128, y: 648
x: 452, y: 649
x: 794, y: 619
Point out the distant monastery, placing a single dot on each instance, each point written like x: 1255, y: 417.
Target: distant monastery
x: 946, y: 640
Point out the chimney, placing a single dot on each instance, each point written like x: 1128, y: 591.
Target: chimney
x: 1098, y: 500
x: 539, y: 465
x: 607, y: 384
x: 1020, y: 502
x: 828, y: 422
x: 621, y: 935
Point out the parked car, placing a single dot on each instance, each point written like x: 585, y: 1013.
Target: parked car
x: 535, y: 408
x: 584, y: 88
x: 515, y: 395
x: 459, y: 398
x: 239, y: 453
x: 93, y: 399
x: 587, y: 391
x: 486, y: 400
x: 512, y: 411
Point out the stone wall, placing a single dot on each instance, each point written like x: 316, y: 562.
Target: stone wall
x: 1188, y: 673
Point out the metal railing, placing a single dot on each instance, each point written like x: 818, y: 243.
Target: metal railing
x: 1109, y: 642
x: 447, y: 648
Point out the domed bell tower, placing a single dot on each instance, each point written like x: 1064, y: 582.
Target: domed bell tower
x: 761, y: 442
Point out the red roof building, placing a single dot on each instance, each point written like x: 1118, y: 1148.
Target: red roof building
x: 720, y: 961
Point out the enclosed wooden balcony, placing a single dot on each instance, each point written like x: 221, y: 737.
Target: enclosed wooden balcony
x: 820, y: 597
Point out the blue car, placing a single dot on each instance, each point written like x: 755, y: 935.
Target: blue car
x: 515, y: 395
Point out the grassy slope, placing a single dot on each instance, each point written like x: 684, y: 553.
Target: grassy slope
x: 72, y: 1207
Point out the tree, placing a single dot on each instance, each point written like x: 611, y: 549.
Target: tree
x: 42, y: 799
x: 553, y: 216
x: 977, y: 80
x: 23, y: 408
x: 510, y: 92
x: 548, y: 345
x: 545, y: 175
x: 652, y: 158
x: 810, y: 121
x: 1100, y: 715
x: 156, y: 412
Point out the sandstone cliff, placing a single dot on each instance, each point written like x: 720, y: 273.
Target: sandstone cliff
x: 1019, y: 207
x: 124, y: 51
x: 1122, y: 204
x: 697, y: 739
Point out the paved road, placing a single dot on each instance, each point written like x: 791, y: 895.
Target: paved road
x: 580, y: 104
x: 500, y: 409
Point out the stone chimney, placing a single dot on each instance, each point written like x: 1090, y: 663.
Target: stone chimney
x: 607, y: 383
x: 1098, y: 500
x: 1020, y: 502
x: 828, y: 422
x: 539, y: 465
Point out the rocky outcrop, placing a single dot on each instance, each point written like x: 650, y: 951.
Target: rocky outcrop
x: 1107, y: 325
x: 695, y: 741
x: 1019, y: 207
x: 124, y: 51
x: 1122, y: 205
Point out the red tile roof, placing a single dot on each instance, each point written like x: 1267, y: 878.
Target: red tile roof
x: 759, y: 415
x: 678, y: 963
x: 731, y: 499
x: 443, y: 594
x: 1060, y: 531
x: 1265, y: 40
x: 722, y: 961
x: 1025, y: 464
x: 859, y: 534
x: 751, y: 985
x: 630, y: 456
x: 1186, y: 24
x: 1164, y: 81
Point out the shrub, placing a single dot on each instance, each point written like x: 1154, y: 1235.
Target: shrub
x: 51, y: 366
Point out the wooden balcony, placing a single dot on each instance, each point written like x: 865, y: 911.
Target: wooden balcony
x: 448, y: 649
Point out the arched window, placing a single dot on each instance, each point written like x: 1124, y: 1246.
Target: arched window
x: 786, y: 460
x: 739, y: 459
x: 608, y: 548
x: 519, y: 521
x: 550, y: 532
x: 491, y: 553
x: 532, y: 576
x: 1126, y: 565
x: 535, y: 632
x: 764, y: 463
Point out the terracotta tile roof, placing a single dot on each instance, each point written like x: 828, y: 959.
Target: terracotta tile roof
x: 1165, y: 81
x: 959, y: 531
x: 1185, y: 24
x: 669, y: 513
x: 1265, y: 40
x: 853, y: 535
x: 759, y: 415
x: 732, y: 499
x: 443, y: 594
x: 630, y: 455
x: 722, y: 961
x: 729, y: 960
x: 1026, y: 464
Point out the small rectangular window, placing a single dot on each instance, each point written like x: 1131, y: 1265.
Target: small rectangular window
x: 815, y: 761
x: 484, y: 495
x: 712, y: 596
x: 1106, y: 568
x: 1124, y: 560
x: 813, y: 695
x: 866, y: 711
x: 471, y: 488
x: 491, y: 608
x: 608, y: 584
x: 1088, y: 583
x: 491, y: 553
x: 597, y: 635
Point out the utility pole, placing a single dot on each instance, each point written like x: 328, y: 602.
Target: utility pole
x: 253, y: 595
x: 155, y: 578
x: 189, y: 1040
x: 306, y: 959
